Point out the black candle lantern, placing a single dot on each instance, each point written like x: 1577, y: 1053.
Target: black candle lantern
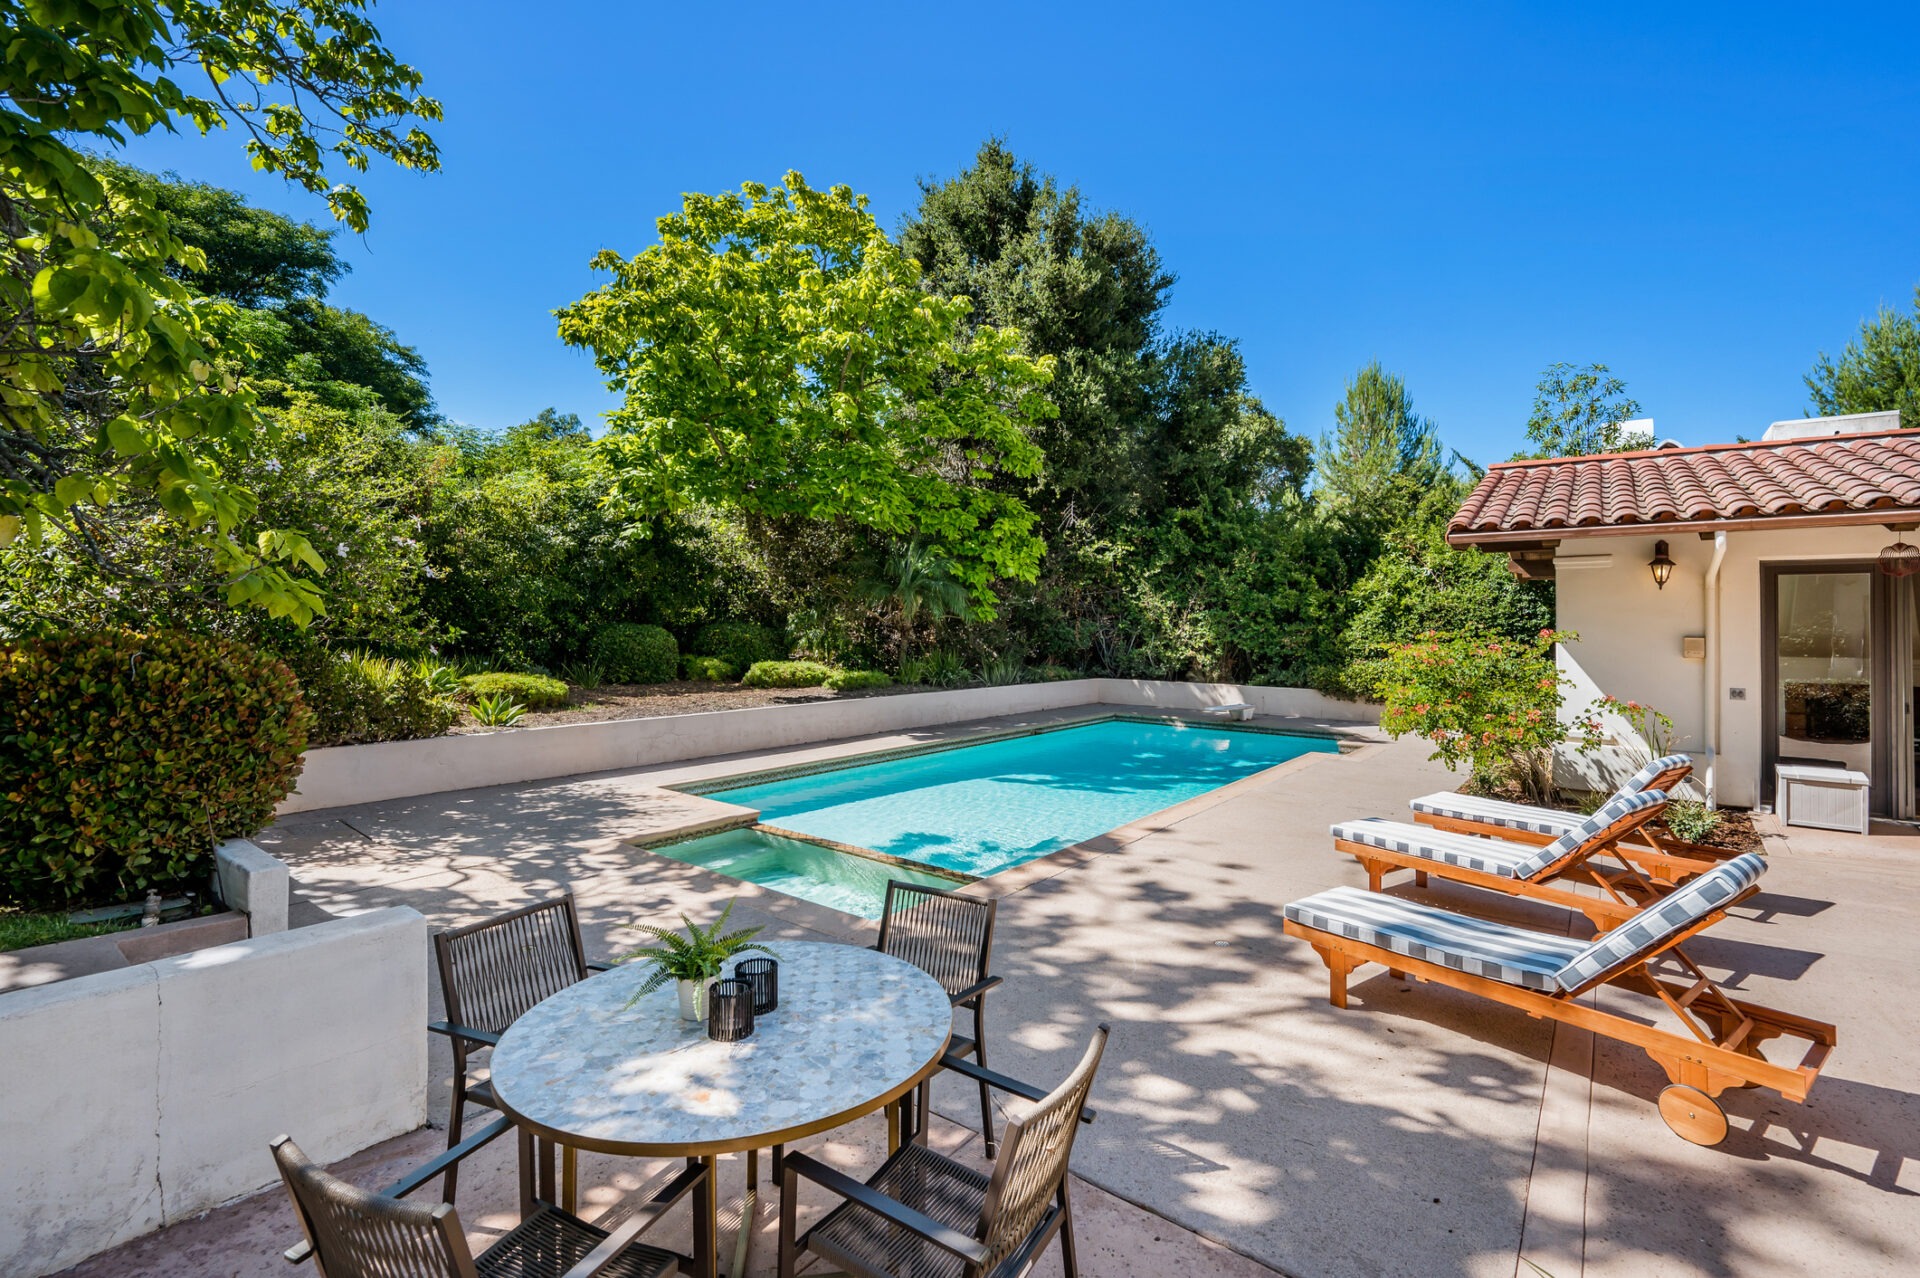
x: 764, y: 975
x: 729, y: 1011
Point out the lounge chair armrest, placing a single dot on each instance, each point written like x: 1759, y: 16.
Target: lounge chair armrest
x: 467, y: 1032
x: 942, y: 1236
x: 601, y: 967
x: 976, y: 990
x: 642, y: 1220
x: 1027, y: 1091
x: 301, y: 1252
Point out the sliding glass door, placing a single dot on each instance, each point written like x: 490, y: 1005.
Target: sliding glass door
x: 1843, y: 670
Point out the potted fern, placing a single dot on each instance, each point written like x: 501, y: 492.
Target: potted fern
x: 693, y: 960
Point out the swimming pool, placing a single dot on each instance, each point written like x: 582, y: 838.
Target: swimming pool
x: 980, y: 809
x: 810, y: 871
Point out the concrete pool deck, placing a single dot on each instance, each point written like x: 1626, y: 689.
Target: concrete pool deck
x: 1419, y: 1133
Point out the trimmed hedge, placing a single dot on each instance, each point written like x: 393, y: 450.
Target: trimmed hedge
x: 125, y: 758
x: 743, y: 643
x: 535, y: 692
x: 854, y: 680
x: 709, y: 669
x: 636, y: 654
x: 787, y: 674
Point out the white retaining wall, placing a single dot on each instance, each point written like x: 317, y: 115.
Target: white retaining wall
x: 137, y: 1098
x: 336, y: 776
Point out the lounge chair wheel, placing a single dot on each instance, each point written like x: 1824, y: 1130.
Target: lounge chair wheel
x: 1693, y: 1115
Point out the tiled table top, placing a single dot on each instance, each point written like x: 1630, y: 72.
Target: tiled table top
x: 852, y: 1026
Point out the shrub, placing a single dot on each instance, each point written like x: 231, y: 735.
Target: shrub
x: 854, y: 680
x: 786, y: 674
x: 497, y: 711
x: 938, y: 668
x: 1690, y: 821
x: 124, y: 758
x: 636, y: 654
x: 709, y: 669
x: 744, y: 643
x: 532, y: 691
x: 356, y: 698
x: 1002, y: 671
x: 1493, y: 704
x: 586, y: 674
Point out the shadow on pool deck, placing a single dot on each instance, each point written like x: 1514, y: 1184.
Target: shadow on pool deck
x: 1420, y: 1132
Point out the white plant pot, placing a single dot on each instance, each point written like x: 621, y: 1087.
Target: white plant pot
x: 693, y: 1000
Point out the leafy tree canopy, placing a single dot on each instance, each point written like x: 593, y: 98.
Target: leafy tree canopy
x: 1382, y: 455
x: 1877, y: 372
x: 1578, y: 412
x: 779, y: 358
x: 110, y: 382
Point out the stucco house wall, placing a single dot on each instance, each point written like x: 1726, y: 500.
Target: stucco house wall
x: 1631, y: 632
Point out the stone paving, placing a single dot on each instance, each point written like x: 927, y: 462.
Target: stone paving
x: 1245, y: 1125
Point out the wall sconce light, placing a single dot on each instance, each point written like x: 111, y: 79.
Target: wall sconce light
x: 1661, y: 563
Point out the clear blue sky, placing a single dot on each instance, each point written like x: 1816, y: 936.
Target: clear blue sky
x: 1701, y: 197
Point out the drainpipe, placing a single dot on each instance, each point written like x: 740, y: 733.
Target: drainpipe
x: 1710, y: 700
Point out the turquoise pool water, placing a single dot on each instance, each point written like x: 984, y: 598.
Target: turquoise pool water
x: 806, y: 870
x: 985, y: 808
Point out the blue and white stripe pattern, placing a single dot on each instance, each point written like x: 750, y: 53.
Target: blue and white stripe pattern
x: 1497, y: 951
x: 1523, y: 816
x: 1677, y: 910
x: 1489, y: 856
x: 1599, y: 828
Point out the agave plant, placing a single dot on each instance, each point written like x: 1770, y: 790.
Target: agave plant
x: 440, y: 680
x: 497, y: 711
x: 699, y: 956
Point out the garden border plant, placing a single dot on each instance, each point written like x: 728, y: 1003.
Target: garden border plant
x: 126, y: 758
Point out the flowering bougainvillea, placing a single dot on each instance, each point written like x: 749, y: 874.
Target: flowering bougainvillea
x: 1492, y: 704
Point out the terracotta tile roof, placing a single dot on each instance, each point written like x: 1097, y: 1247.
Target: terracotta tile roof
x: 1841, y: 478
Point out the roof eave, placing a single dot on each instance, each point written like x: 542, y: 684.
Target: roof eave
x: 1500, y: 539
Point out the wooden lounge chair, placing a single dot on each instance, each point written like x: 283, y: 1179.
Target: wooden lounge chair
x: 1664, y: 859
x: 1544, y: 974
x: 1518, y: 869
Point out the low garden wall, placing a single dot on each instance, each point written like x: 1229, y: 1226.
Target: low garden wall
x: 336, y: 776
x: 140, y: 1097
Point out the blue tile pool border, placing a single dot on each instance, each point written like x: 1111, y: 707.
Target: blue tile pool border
x: 707, y: 786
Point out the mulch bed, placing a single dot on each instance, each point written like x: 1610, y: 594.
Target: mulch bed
x: 649, y: 700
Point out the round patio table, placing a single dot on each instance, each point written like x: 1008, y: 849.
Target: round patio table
x: 855, y: 1031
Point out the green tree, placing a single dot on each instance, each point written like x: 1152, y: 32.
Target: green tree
x: 1878, y: 371
x: 110, y: 382
x: 1577, y: 412
x: 285, y: 338
x: 779, y: 359
x: 1382, y: 455
x: 1084, y: 288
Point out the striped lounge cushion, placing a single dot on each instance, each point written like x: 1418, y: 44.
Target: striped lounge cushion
x: 1597, y: 828
x: 1512, y: 816
x: 1671, y: 913
x: 1522, y: 816
x: 1489, y: 856
x: 1497, y: 951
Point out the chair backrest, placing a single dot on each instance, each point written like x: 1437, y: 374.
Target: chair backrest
x: 1664, y: 773
x: 1034, y: 1152
x: 358, y: 1234
x: 1645, y: 933
x: 945, y: 934
x: 1617, y: 816
x: 493, y: 971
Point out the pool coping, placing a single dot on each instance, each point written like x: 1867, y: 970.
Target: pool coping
x: 1014, y: 878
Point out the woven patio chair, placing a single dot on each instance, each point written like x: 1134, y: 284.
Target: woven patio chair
x: 492, y: 973
x: 925, y: 1215
x: 949, y: 936
x: 357, y: 1233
